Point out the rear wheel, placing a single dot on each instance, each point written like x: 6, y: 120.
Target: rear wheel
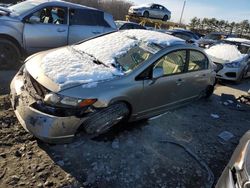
x: 146, y: 14
x: 165, y: 18
x: 101, y: 121
x: 9, y: 55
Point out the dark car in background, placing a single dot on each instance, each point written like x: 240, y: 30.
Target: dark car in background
x: 212, y: 38
x: 186, y: 35
x: 128, y: 25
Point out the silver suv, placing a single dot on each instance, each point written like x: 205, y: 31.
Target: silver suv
x: 151, y: 11
x: 37, y: 25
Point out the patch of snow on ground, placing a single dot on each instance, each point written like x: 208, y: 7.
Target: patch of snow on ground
x: 65, y: 66
x: 225, y: 52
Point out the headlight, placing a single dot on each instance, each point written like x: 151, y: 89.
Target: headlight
x: 65, y: 101
x: 235, y: 64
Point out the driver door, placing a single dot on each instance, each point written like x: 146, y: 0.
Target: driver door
x: 167, y: 90
x: 46, y: 29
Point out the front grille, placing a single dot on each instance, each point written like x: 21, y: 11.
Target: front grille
x: 35, y: 89
x: 219, y: 66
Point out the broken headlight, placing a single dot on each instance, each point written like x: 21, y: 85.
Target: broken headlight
x: 65, y: 101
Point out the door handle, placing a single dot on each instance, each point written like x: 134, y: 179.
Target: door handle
x: 96, y: 32
x: 61, y: 30
x: 179, y: 81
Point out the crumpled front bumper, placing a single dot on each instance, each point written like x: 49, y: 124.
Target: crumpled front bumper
x: 46, y: 127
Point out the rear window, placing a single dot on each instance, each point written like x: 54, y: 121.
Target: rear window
x: 87, y: 17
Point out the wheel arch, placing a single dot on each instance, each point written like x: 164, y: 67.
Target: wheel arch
x: 12, y: 39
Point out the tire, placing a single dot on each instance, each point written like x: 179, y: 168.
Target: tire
x: 165, y: 18
x: 146, y: 14
x: 208, y: 91
x: 9, y: 55
x: 101, y: 121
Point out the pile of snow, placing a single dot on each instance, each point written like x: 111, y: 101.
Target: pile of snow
x: 238, y: 40
x: 75, y: 63
x: 226, y: 52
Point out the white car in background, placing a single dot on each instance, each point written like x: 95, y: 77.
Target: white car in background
x: 232, y: 57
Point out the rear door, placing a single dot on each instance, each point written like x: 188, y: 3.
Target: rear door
x: 50, y: 30
x: 197, y: 73
x: 85, y: 23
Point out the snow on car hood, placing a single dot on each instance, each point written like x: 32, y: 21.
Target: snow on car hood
x: 76, y: 63
x: 222, y: 53
x: 68, y: 66
x: 238, y: 40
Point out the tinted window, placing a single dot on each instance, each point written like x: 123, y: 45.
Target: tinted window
x: 197, y: 61
x: 172, y: 63
x: 87, y: 17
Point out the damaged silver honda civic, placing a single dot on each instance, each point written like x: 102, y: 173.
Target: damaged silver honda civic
x: 125, y: 75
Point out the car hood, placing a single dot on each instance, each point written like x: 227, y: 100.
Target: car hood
x: 61, y: 69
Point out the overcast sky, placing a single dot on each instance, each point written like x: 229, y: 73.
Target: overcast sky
x: 231, y: 10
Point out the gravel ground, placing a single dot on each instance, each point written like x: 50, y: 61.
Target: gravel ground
x: 131, y: 155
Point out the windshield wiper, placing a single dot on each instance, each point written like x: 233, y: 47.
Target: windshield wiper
x: 95, y: 60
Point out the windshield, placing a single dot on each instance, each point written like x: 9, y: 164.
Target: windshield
x: 136, y: 56
x: 23, y: 7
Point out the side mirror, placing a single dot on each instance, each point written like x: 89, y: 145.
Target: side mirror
x: 34, y: 19
x: 158, y: 72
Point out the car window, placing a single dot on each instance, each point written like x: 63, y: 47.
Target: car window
x: 161, y: 7
x: 51, y: 15
x: 172, y: 63
x: 87, y: 17
x: 197, y: 61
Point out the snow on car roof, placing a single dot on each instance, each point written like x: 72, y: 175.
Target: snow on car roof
x: 226, y: 52
x: 238, y: 40
x: 77, y: 63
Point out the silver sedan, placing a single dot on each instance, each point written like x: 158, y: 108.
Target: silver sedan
x: 151, y: 11
x: 127, y: 75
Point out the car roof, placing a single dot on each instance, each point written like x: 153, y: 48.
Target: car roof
x: 62, y: 3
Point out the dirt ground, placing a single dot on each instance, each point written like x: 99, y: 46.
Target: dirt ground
x: 131, y: 155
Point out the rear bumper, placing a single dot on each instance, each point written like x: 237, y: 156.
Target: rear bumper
x: 46, y: 127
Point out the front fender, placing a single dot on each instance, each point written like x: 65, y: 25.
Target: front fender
x: 12, y: 29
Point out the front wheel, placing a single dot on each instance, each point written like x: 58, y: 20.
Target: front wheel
x: 9, y: 55
x: 101, y: 121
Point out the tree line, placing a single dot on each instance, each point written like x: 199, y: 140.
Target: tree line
x: 207, y: 25
x: 118, y: 8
